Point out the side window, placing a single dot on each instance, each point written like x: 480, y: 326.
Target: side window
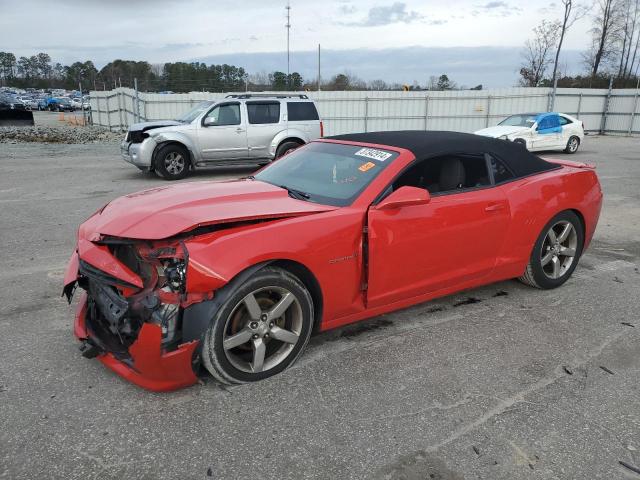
x: 300, y: 111
x: 263, y: 112
x: 500, y: 172
x: 564, y: 121
x: 228, y: 114
x: 446, y: 173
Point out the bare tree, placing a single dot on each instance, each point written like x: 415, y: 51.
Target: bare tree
x: 537, y: 52
x: 378, y: 85
x: 572, y: 12
x: 605, y: 34
x: 629, y: 36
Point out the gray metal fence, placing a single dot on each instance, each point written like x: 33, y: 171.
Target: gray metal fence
x: 602, y: 110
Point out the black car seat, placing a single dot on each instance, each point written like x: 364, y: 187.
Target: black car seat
x: 452, y: 175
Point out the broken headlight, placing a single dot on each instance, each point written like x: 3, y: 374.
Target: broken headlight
x: 175, y: 274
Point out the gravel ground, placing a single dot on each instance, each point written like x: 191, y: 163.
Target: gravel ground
x: 501, y: 382
x: 50, y: 129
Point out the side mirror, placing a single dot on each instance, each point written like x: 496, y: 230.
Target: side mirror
x: 405, y: 196
x: 209, y: 122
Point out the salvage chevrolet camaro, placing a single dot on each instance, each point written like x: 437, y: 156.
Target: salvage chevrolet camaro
x: 235, y: 276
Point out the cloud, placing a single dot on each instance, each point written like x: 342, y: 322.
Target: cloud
x: 348, y: 9
x: 492, y: 5
x: 496, y: 8
x: 387, y: 15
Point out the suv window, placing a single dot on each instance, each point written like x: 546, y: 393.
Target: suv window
x: 446, y: 174
x: 500, y: 172
x: 228, y: 114
x: 299, y: 111
x: 263, y: 112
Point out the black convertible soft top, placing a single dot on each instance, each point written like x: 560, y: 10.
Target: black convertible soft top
x: 425, y: 144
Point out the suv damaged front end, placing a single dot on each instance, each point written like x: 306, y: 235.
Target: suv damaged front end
x: 130, y: 312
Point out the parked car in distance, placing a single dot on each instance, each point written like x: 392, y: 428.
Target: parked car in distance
x: 76, y: 103
x: 236, y: 275
x: 9, y: 101
x: 33, y: 103
x: 60, y: 104
x: 540, y: 131
x: 240, y: 130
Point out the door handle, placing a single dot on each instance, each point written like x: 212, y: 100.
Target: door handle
x: 494, y: 207
x: 239, y: 130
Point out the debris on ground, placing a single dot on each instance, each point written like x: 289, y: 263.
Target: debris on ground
x: 58, y: 135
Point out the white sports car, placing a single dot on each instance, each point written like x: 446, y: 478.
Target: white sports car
x: 539, y: 131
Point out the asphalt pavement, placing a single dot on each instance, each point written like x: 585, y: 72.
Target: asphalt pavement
x: 500, y: 382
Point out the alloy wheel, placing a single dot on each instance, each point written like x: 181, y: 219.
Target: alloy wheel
x: 263, y: 329
x: 174, y: 163
x: 573, y: 144
x: 558, y: 249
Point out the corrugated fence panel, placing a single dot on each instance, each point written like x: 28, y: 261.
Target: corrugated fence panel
x: 356, y: 111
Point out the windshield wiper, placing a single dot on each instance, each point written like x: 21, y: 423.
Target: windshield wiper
x: 297, y: 194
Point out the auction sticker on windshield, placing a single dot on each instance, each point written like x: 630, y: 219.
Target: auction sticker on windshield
x: 374, y: 154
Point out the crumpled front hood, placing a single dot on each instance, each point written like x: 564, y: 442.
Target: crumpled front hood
x: 144, y: 126
x: 500, y: 130
x: 165, y: 211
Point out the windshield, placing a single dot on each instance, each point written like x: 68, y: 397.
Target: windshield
x: 526, y: 120
x: 192, y: 114
x: 328, y: 173
x: 64, y: 100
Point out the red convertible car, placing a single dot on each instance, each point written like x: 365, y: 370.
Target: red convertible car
x: 235, y: 276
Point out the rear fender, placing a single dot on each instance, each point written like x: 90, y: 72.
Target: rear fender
x: 291, y: 133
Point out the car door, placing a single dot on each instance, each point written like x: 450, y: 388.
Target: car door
x: 548, y: 132
x: 263, y: 124
x: 453, y: 239
x: 568, y: 129
x: 222, y: 134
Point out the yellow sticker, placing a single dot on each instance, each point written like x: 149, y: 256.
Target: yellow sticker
x: 366, y: 166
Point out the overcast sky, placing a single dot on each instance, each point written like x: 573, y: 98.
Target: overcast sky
x: 354, y: 34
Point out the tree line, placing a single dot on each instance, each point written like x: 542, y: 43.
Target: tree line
x: 38, y: 71
x: 613, y: 51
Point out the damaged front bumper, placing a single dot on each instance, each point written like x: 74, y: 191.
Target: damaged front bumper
x: 131, y: 327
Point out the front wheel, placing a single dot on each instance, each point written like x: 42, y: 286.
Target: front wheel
x: 556, y: 252
x: 172, y: 162
x: 572, y: 145
x: 260, y: 329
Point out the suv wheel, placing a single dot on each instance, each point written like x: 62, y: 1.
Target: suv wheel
x: 285, y: 148
x: 172, y: 162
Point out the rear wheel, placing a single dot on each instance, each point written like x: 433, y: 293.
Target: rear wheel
x: 285, y: 148
x: 572, y: 145
x: 172, y: 162
x: 260, y: 330
x: 556, y: 252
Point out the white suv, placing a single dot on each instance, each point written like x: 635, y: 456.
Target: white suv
x: 240, y: 130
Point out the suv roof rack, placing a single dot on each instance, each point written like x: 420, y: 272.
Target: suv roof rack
x: 267, y: 95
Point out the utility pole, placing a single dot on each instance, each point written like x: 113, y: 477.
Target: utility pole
x: 288, y: 26
x: 318, y: 67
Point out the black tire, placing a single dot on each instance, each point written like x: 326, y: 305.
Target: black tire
x: 572, y: 145
x: 541, y: 274
x: 521, y: 141
x: 172, y: 162
x: 286, y: 147
x: 224, y: 364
